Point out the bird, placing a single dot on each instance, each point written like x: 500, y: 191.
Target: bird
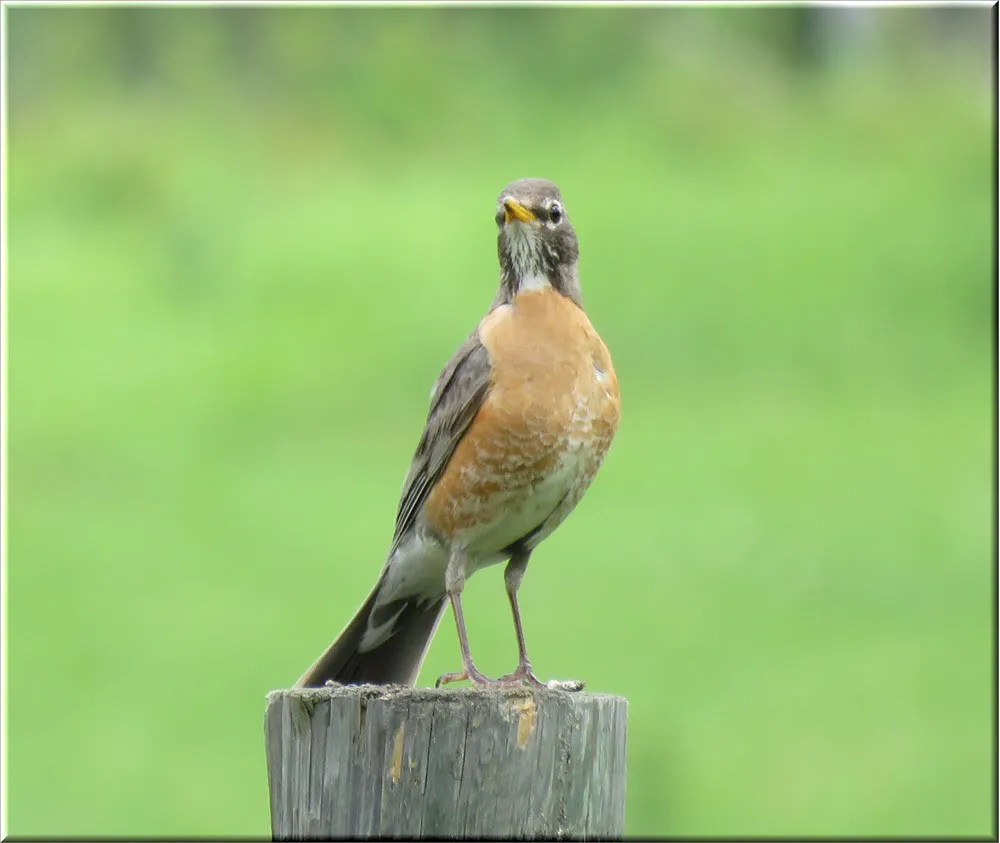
x: 519, y: 423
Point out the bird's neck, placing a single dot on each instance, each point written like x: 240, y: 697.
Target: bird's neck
x: 562, y: 279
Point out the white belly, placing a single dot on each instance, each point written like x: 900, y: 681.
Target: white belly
x: 418, y: 565
x: 542, y: 506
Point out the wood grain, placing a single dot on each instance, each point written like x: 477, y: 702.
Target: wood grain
x: 382, y: 761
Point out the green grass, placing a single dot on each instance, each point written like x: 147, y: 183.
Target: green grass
x: 225, y: 318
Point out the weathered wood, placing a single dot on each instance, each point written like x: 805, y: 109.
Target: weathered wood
x: 374, y: 761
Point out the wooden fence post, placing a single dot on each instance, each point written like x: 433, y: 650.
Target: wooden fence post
x: 386, y: 761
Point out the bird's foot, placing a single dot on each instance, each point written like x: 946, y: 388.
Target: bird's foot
x: 524, y: 674
x: 471, y: 673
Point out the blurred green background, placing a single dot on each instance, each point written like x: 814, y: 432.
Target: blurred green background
x: 242, y: 243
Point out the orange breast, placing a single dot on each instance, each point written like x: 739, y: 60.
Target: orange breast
x: 541, y: 435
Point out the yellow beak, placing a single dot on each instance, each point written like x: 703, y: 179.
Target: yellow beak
x: 516, y: 211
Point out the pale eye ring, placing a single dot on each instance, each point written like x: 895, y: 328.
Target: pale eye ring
x: 555, y: 212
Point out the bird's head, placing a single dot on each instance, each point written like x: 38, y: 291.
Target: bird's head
x: 536, y: 243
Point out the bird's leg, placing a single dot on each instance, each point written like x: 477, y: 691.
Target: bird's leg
x: 454, y: 578
x: 454, y: 582
x: 512, y: 577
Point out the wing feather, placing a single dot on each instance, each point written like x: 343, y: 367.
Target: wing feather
x: 459, y: 392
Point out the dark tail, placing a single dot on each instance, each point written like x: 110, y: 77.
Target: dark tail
x: 396, y: 661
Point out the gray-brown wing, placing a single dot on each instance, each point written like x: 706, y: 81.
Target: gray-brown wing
x: 458, y: 394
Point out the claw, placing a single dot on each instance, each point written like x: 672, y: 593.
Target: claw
x: 471, y: 674
x: 522, y: 675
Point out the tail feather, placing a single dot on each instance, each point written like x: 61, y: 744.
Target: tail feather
x: 396, y: 661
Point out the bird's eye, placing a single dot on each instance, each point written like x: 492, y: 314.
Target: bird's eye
x: 501, y: 216
x: 555, y: 212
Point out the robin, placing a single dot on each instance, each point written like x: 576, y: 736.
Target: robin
x: 519, y: 423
